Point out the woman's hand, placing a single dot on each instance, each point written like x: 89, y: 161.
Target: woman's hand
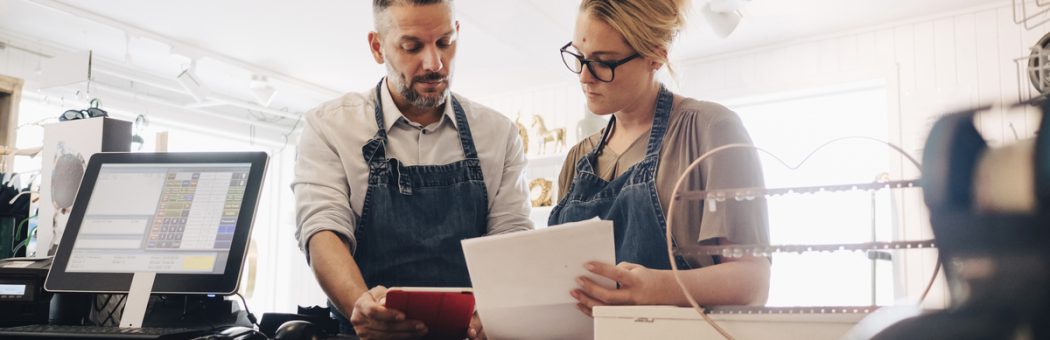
x: 476, y: 331
x: 637, y: 285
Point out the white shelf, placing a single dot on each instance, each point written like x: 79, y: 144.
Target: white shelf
x: 539, y: 216
x: 547, y: 167
x: 547, y: 160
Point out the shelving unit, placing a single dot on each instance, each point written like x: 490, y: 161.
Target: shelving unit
x: 875, y: 250
x: 555, y: 160
x: 714, y: 196
x: 10, y: 95
x: 540, y: 215
x: 752, y: 322
x: 547, y: 167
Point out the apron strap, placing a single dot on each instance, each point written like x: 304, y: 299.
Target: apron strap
x: 646, y: 170
x: 374, y: 152
x: 661, y: 114
x: 466, y: 139
x: 589, y: 162
x: 664, y: 103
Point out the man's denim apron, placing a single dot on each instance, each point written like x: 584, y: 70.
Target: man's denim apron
x: 414, y: 216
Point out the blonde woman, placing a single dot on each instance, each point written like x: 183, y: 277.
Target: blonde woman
x: 626, y: 172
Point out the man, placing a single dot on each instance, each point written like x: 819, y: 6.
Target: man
x: 390, y: 180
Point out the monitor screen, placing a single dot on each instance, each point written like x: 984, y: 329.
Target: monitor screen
x: 12, y: 289
x: 162, y: 218
x: 186, y: 217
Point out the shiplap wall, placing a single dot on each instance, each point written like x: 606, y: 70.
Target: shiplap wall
x: 943, y: 63
x: 936, y: 64
x: 931, y: 66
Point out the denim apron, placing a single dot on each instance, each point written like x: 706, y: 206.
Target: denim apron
x: 414, y: 217
x: 629, y: 200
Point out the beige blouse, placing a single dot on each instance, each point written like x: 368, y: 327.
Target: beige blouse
x: 694, y: 128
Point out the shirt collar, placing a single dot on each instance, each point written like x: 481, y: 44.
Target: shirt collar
x: 391, y: 114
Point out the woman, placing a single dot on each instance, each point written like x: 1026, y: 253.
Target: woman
x: 626, y: 172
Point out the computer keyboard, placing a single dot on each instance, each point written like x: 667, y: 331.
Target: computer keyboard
x: 95, y: 332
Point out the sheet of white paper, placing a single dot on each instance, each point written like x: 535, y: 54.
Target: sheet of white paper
x: 522, y: 280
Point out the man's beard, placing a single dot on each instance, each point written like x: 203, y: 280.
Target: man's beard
x: 418, y: 99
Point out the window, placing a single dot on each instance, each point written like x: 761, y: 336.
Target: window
x: 790, y: 126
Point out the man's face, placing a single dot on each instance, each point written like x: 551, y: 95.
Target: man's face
x: 417, y: 44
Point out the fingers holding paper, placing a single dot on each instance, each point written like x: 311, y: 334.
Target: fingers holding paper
x: 476, y: 331
x: 635, y: 283
x: 372, y: 320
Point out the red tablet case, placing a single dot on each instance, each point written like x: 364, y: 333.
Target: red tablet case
x: 446, y: 313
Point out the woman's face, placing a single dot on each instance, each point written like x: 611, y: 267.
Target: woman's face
x: 596, y: 40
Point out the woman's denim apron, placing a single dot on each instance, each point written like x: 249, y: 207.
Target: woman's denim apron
x: 629, y: 200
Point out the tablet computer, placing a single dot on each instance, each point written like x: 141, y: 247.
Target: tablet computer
x: 445, y: 311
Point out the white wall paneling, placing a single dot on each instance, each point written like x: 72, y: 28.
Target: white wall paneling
x: 945, y: 64
x: 931, y: 66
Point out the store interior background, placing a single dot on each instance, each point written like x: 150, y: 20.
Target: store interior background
x: 798, y: 72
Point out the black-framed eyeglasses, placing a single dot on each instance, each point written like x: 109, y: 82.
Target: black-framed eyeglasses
x: 601, y: 70
x: 90, y: 112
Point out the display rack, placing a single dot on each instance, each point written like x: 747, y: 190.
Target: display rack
x: 748, y: 310
x: 544, y: 167
x: 711, y: 199
x: 1033, y: 72
x: 1030, y: 14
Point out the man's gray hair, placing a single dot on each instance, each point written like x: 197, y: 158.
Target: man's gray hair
x: 378, y: 6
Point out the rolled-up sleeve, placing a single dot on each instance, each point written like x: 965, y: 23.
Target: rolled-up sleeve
x: 322, y: 192
x: 740, y: 222
x: 511, y: 207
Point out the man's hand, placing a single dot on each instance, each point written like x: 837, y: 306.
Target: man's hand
x: 372, y: 320
x: 637, y: 286
x: 476, y: 331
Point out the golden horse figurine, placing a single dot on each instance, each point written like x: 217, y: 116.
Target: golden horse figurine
x: 523, y: 132
x: 556, y: 136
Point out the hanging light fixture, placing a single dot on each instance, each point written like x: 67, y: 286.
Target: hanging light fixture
x: 192, y: 84
x: 262, y: 90
x: 724, y: 15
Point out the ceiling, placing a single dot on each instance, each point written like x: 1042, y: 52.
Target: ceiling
x: 314, y: 49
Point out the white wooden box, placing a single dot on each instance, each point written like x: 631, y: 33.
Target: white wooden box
x: 67, y: 147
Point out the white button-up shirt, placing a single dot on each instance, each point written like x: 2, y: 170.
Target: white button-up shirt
x: 331, y: 175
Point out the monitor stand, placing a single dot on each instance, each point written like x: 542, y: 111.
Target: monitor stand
x: 137, y: 301
x: 189, y: 311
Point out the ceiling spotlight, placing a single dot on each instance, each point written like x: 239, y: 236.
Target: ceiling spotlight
x: 724, y: 15
x: 262, y: 90
x: 192, y: 84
